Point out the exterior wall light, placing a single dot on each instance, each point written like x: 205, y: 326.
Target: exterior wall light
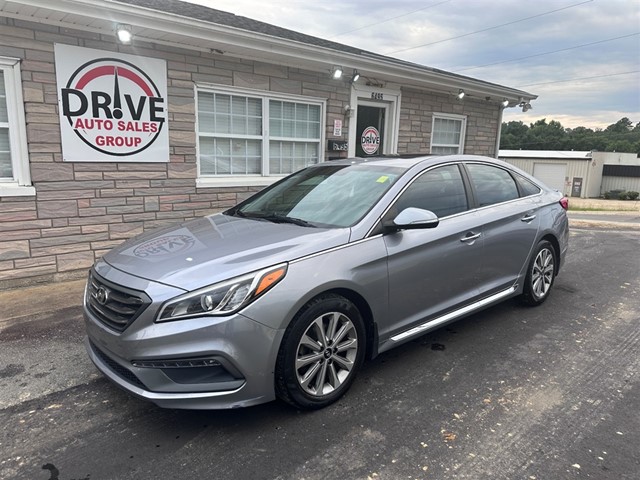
x: 336, y: 73
x: 356, y: 76
x: 526, y: 106
x: 504, y: 103
x: 123, y: 32
x: 461, y: 94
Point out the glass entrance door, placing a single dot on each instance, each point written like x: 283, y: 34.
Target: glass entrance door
x: 370, y: 130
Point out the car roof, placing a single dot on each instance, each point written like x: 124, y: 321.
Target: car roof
x: 409, y: 161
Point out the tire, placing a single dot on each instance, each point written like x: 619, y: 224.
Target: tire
x: 541, y: 274
x: 321, y: 352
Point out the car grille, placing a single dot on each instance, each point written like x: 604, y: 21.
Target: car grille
x: 115, y: 306
x: 121, y: 371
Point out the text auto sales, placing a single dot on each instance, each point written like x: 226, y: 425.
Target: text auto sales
x: 102, y: 102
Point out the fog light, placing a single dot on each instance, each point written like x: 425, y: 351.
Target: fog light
x: 198, y: 362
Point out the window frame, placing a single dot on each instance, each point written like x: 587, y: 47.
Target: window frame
x: 463, y: 132
x: 265, y: 178
x: 421, y: 177
x: 472, y: 185
x: 20, y: 184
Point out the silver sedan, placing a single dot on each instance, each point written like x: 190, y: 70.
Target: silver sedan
x: 286, y: 294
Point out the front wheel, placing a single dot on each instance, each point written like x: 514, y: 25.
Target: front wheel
x: 321, y: 353
x: 540, y: 274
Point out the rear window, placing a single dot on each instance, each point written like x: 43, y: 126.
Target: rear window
x: 491, y: 184
x: 527, y: 187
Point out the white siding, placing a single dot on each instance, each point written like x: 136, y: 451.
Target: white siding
x: 629, y: 184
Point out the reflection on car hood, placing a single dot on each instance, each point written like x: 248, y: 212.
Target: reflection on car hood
x: 214, y: 248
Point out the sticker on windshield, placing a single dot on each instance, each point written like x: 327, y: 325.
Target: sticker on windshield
x: 382, y: 179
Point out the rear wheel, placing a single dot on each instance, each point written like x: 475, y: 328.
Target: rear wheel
x: 321, y: 353
x: 540, y: 274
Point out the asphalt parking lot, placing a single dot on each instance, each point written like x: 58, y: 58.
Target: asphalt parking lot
x: 509, y: 393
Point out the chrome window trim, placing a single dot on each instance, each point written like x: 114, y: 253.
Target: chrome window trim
x: 399, y: 194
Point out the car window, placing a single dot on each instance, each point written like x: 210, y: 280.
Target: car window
x: 491, y: 184
x: 526, y: 186
x: 327, y: 195
x: 440, y: 190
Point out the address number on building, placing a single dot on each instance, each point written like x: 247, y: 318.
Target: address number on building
x: 377, y: 96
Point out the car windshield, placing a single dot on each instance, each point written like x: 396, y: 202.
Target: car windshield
x: 324, y: 196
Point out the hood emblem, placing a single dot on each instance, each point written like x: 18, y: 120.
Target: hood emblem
x: 102, y: 295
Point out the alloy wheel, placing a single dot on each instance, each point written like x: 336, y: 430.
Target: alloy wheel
x: 326, y: 353
x: 542, y: 274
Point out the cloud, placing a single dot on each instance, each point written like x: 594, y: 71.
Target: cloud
x: 443, y: 32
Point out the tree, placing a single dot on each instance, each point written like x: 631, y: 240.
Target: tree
x: 623, y: 125
x: 621, y: 136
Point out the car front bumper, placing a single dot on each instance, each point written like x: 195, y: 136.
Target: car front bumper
x: 195, y: 363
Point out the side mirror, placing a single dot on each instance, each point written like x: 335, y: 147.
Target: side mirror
x: 412, y: 219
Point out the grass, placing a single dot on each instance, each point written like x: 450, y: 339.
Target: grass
x: 601, y: 209
x: 602, y: 205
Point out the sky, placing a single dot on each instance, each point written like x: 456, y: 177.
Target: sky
x: 581, y: 57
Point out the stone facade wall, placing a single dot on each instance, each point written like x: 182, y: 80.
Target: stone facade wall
x: 82, y: 209
x: 416, y: 119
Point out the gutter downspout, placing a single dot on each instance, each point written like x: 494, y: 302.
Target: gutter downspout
x: 499, y: 132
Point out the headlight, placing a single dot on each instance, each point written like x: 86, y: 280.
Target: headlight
x: 223, y: 298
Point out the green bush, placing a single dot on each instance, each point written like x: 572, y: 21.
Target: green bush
x: 623, y: 196
x: 633, y: 195
x: 607, y: 195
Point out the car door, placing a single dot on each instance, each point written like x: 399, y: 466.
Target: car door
x: 510, y: 223
x: 432, y: 270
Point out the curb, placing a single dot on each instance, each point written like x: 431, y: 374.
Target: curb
x: 603, y: 224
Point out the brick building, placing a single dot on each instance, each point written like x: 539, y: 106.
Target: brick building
x: 101, y: 140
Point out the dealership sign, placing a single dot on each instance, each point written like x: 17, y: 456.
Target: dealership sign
x: 370, y: 140
x: 113, y: 107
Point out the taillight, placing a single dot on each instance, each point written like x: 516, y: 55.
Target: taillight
x: 564, y: 201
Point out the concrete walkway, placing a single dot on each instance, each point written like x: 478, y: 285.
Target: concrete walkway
x: 26, y: 302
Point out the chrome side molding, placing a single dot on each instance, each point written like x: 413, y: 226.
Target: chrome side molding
x: 452, y: 315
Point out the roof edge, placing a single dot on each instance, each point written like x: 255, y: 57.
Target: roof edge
x: 242, y: 42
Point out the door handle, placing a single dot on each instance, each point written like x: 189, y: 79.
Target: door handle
x: 528, y: 218
x: 470, y: 237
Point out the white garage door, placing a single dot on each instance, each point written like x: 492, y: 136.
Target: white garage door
x: 551, y: 174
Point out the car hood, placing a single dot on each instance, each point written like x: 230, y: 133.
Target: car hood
x: 217, y: 247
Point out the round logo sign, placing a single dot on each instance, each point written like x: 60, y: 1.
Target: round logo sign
x: 370, y: 140
x: 113, y: 106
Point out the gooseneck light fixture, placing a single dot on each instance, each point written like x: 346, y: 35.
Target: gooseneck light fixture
x: 504, y: 103
x: 356, y: 76
x: 336, y: 73
x: 123, y: 32
x: 460, y: 94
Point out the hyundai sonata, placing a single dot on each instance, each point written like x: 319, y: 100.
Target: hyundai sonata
x: 286, y: 294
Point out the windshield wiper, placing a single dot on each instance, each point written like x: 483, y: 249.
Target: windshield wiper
x: 273, y: 217
x: 277, y: 218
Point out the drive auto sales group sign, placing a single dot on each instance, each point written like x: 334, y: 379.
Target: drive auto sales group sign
x: 113, y: 106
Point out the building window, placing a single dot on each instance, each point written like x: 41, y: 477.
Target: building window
x: 246, y: 136
x: 14, y: 160
x: 447, y: 136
